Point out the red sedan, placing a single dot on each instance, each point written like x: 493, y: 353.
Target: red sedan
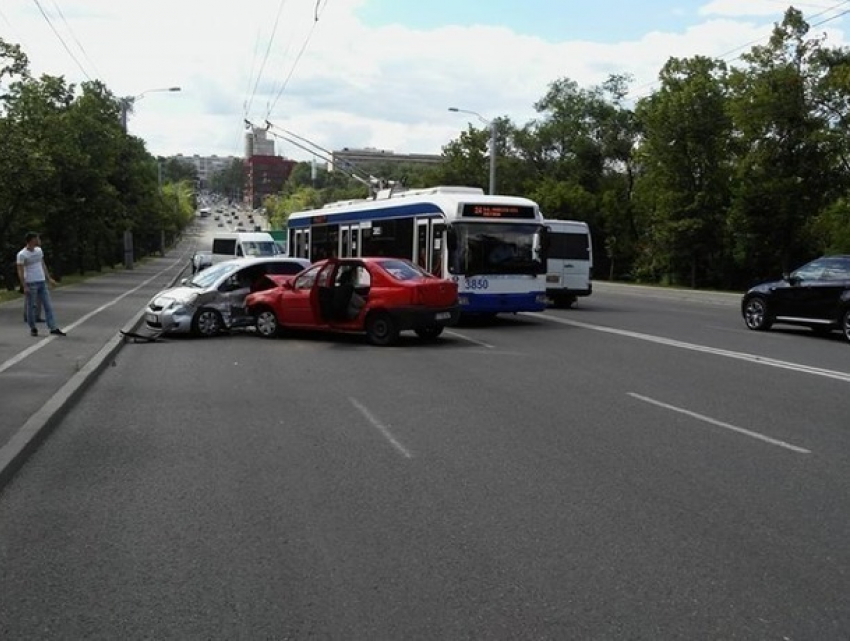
x: 379, y: 296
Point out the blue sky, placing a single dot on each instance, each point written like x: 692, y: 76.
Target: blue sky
x: 551, y: 20
x: 369, y: 73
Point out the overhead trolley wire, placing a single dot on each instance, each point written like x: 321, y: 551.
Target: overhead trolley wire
x: 265, y: 56
x: 726, y: 54
x: 73, y: 35
x: 316, y: 15
x: 64, y: 44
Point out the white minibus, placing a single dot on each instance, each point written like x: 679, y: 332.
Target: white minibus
x: 569, y: 261
x: 227, y: 246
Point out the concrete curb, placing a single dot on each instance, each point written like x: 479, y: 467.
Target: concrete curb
x: 38, y: 427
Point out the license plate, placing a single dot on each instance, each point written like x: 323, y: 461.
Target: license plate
x: 443, y: 316
x: 152, y: 318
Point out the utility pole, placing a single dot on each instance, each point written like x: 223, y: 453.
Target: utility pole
x: 491, y: 124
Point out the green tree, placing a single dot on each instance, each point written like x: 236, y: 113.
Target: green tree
x: 789, y: 167
x: 685, y: 154
x: 230, y: 181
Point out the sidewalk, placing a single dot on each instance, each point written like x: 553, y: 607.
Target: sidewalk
x: 40, y: 378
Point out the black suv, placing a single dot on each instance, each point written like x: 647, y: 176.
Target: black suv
x: 817, y: 295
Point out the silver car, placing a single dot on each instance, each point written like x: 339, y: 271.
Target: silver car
x: 213, y: 300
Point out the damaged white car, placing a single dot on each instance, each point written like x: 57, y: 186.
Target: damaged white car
x: 213, y: 300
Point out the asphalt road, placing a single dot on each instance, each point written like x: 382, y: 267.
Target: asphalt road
x: 641, y: 467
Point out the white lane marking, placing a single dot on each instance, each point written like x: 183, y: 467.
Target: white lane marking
x: 471, y: 340
x: 741, y: 356
x: 381, y: 428
x: 44, y: 341
x: 708, y: 419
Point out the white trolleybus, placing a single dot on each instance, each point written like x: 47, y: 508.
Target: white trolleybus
x: 493, y: 247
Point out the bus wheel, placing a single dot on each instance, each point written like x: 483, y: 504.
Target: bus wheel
x: 381, y: 329
x: 429, y: 333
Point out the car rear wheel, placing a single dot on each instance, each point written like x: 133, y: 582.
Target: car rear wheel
x: 207, y: 322
x: 429, y: 333
x: 845, y: 324
x: 755, y: 314
x: 381, y: 329
x: 266, y: 322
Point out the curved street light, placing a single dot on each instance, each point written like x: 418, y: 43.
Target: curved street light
x: 491, y: 124
x: 128, y: 102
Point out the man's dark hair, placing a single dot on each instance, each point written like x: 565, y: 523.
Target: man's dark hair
x: 30, y: 235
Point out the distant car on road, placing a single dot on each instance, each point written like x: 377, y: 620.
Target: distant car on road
x: 378, y: 296
x: 213, y: 300
x: 817, y: 295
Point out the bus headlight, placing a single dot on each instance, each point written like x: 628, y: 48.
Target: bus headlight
x: 541, y: 298
x: 462, y: 301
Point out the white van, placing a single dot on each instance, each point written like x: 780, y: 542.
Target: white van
x: 569, y: 265
x: 243, y: 244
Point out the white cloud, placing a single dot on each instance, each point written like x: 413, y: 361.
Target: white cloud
x: 354, y: 85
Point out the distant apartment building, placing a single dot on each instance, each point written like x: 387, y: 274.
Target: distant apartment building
x: 371, y: 157
x: 206, y: 166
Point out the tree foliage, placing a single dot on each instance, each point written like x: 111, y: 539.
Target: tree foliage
x: 69, y: 171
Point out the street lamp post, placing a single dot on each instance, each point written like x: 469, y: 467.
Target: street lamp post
x: 127, y: 106
x: 128, y: 102
x: 491, y: 124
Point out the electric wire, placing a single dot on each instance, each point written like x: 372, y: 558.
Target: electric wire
x: 317, y: 13
x: 638, y: 90
x: 8, y: 22
x: 62, y: 40
x: 325, y: 154
x: 73, y: 35
x: 240, y: 134
x: 265, y: 56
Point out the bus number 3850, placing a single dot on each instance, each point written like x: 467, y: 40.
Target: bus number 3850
x: 476, y: 283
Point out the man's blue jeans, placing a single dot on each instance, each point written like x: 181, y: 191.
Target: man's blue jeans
x: 38, y: 292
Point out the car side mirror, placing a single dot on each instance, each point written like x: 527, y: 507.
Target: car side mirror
x: 288, y: 285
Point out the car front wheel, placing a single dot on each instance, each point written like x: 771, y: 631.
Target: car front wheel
x: 755, y: 314
x: 845, y: 324
x: 381, y: 329
x: 266, y: 321
x: 206, y: 323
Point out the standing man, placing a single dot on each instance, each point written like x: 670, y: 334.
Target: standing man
x: 34, y: 276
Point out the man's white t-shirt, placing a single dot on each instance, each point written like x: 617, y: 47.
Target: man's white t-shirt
x: 32, y: 260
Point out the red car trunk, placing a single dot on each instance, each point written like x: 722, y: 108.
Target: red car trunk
x: 436, y: 293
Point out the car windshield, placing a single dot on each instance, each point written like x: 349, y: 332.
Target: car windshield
x: 211, y: 275
x: 403, y: 270
x: 497, y: 249
x: 259, y: 248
